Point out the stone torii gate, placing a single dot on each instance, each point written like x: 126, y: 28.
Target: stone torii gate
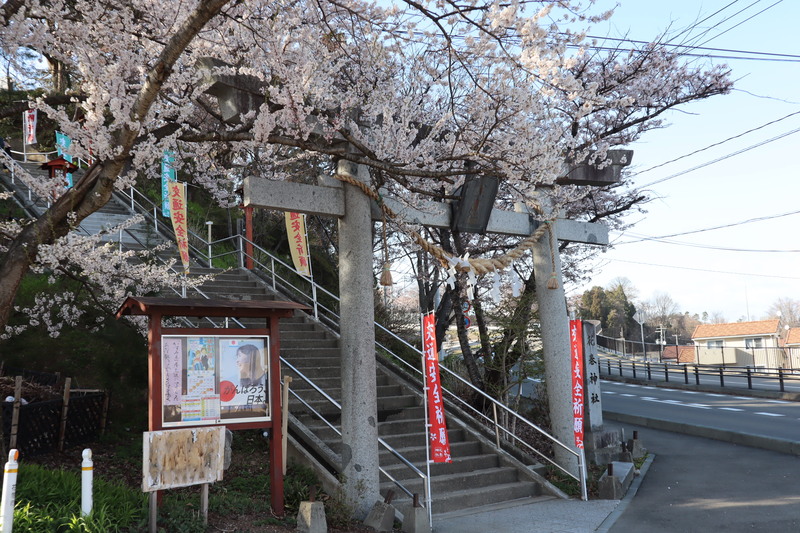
x: 352, y: 208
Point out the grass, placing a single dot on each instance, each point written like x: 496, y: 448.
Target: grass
x: 48, y: 498
x: 49, y: 501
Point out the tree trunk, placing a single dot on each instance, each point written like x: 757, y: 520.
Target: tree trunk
x: 94, y: 189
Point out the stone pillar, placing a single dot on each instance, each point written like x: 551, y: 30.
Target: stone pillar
x: 357, y: 317
x: 555, y: 342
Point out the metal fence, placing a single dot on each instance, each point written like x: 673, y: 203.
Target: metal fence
x: 765, y: 359
x: 774, y: 379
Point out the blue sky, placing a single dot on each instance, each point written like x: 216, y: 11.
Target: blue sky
x: 744, y: 280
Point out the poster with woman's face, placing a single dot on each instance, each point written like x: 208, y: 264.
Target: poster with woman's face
x: 243, y: 383
x: 209, y: 379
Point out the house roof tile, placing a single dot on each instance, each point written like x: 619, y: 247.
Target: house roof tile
x: 793, y: 337
x: 736, y: 329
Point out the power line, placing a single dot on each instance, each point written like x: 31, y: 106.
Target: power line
x: 717, y: 143
x: 742, y: 22
x: 718, y: 248
x: 704, y: 270
x: 732, y: 154
x: 723, y: 226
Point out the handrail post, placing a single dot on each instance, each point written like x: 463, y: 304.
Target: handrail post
x: 749, y: 378
x: 209, y: 223
x: 155, y: 217
x: 649, y: 371
x: 721, y: 377
x: 780, y: 378
x: 314, y: 297
x: 685, y: 374
x: 496, y: 426
x: 241, y: 251
x: 633, y: 366
x: 666, y: 373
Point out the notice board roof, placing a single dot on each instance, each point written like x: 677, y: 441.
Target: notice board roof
x: 146, y: 305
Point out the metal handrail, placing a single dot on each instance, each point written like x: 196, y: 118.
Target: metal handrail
x: 508, y: 411
x: 382, y: 442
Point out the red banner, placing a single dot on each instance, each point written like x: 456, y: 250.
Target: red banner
x: 296, y: 229
x: 576, y: 350
x: 437, y: 433
x: 177, y: 212
x: 29, y: 126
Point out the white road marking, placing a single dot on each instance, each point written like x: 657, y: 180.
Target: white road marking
x: 698, y: 405
x: 778, y: 401
x: 769, y: 414
x: 628, y: 395
x: 736, y: 409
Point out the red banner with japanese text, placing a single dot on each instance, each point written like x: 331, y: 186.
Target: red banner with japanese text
x: 29, y: 126
x: 437, y: 432
x: 576, y: 351
x: 177, y: 213
x: 296, y: 230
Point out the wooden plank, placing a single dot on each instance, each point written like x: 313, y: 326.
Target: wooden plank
x: 182, y: 457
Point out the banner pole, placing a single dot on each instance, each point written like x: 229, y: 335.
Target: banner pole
x: 427, y: 424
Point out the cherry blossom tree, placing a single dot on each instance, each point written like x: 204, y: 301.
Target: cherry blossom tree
x: 423, y: 93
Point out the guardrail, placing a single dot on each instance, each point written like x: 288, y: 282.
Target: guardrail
x: 722, y: 376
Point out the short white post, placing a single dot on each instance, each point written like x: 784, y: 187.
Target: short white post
x: 87, y: 477
x: 9, y: 492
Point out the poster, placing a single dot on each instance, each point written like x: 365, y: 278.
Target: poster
x: 214, y: 379
x: 244, y: 389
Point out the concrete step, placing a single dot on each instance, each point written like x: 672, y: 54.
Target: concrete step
x: 445, y: 501
x: 466, y: 464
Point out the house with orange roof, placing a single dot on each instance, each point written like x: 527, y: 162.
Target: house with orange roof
x: 755, y: 344
x: 791, y: 344
x: 678, y: 354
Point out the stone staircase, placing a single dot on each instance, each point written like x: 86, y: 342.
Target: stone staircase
x: 114, y: 213
x: 480, y: 474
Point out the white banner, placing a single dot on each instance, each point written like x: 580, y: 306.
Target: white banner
x: 29, y: 126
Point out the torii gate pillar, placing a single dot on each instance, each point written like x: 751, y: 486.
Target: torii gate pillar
x: 357, y: 318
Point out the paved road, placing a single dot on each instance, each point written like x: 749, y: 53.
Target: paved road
x: 697, y: 485
x: 778, y: 419
x: 765, y: 422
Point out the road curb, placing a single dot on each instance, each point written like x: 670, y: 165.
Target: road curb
x: 745, y: 439
x: 608, y: 523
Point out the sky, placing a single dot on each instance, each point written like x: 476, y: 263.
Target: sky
x: 741, y: 270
